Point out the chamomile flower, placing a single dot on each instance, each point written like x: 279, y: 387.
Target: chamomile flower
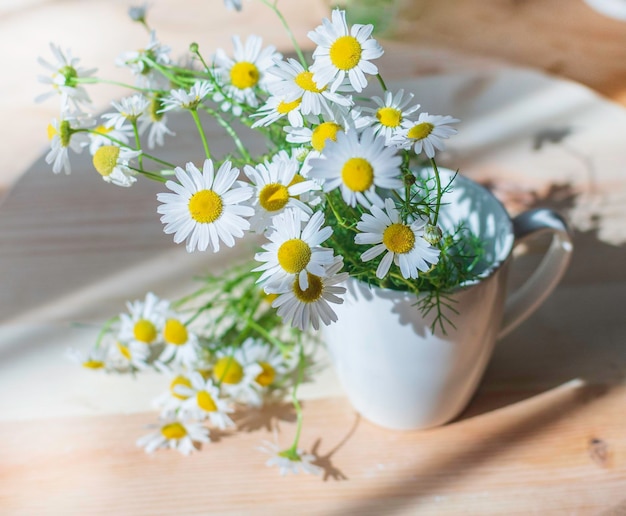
x: 277, y: 186
x: 171, y: 401
x: 144, y: 321
x: 236, y: 375
x: 241, y: 76
x: 154, y: 121
x: 403, y: 243
x: 303, y: 308
x: 290, y: 460
x: 95, y: 358
x: 64, y: 80
x: 128, y: 109
x: 138, y: 63
x: 113, y: 164
x: 175, y: 434
x: 184, y: 99
x: 343, y: 53
x: 181, y: 344
x: 273, y: 363
x: 130, y: 356
x: 102, y: 134
x: 63, y: 137
x: 294, y: 252
x: 427, y: 134
x: 391, y: 112
x: 204, y: 207
x: 203, y: 401
x: 296, y: 85
x: 138, y: 12
x: 357, y: 165
x: 276, y: 108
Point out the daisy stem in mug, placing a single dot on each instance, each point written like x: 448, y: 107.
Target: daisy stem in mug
x: 272, y: 6
x: 205, y: 144
x: 438, y: 181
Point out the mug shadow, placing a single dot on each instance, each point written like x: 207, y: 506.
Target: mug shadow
x: 574, y: 334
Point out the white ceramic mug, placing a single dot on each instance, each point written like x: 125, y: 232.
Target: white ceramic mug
x: 400, y: 375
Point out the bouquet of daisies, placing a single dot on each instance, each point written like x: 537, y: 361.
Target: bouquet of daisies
x: 348, y: 187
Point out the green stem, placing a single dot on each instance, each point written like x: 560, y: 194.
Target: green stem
x: 438, y: 180
x: 296, y: 47
x: 150, y: 175
x: 266, y: 335
x: 382, y: 82
x: 96, y: 80
x: 137, y: 143
x: 105, y: 329
x: 205, y: 144
x: 296, y: 403
x: 231, y: 132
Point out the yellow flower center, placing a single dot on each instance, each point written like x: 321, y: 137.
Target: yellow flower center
x: 265, y: 377
x: 312, y: 293
x: 399, y: 238
x: 244, y: 75
x: 274, y: 197
x: 93, y: 364
x: 389, y: 117
x: 228, y: 370
x: 145, y: 331
x: 155, y: 106
x: 357, y: 174
x: 102, y: 129
x: 205, y: 401
x: 286, y: 107
x: 420, y: 131
x: 205, y: 206
x: 105, y: 159
x: 269, y: 298
x: 345, y: 52
x: 124, y: 351
x: 173, y: 431
x: 306, y: 82
x: 297, y: 178
x: 322, y: 133
x: 294, y: 255
x: 52, y: 132
x: 179, y: 380
x: 175, y: 332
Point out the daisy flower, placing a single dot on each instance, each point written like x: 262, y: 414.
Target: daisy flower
x: 128, y: 109
x: 144, y: 321
x: 95, y: 358
x: 130, y: 356
x: 388, y: 117
x: 290, y: 460
x: 64, y: 80
x: 303, y: 308
x: 342, y: 53
x: 426, y: 134
x: 236, y: 375
x: 272, y: 362
x: 295, y: 84
x: 242, y: 75
x: 63, y: 137
x: 276, y: 108
x: 294, y: 251
x: 203, y: 401
x: 184, y: 99
x: 181, y: 345
x: 171, y: 401
x: 204, y: 207
x: 138, y: 13
x: 357, y: 165
x: 147, y: 76
x: 154, y: 121
x: 277, y: 186
x: 112, y: 163
x: 174, y: 434
x: 101, y: 135
x: 403, y: 243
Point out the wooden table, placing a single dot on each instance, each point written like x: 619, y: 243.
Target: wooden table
x: 544, y: 434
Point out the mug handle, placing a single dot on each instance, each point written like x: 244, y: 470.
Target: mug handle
x: 527, y: 298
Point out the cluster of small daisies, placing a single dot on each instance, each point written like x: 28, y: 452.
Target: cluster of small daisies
x: 335, y: 195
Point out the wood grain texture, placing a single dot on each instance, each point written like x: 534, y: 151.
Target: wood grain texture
x: 560, y: 452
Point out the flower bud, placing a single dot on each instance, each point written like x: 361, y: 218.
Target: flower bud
x: 432, y: 234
